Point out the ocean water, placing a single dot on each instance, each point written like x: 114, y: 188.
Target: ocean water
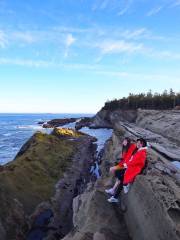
x: 102, y: 134
x: 16, y: 129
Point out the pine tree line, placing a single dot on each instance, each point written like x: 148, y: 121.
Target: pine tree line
x: 166, y: 100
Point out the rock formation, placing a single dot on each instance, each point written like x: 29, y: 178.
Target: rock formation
x: 50, y: 175
x: 44, y: 167
x: 58, y: 122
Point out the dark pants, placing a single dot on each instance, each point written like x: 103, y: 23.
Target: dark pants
x: 119, y: 174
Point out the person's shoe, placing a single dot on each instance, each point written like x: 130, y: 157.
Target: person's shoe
x: 110, y: 191
x: 113, y: 200
x: 126, y: 188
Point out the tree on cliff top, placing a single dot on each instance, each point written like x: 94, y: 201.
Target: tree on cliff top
x: 157, y: 101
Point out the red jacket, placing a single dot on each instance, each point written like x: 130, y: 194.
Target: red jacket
x: 135, y: 165
x: 126, y: 156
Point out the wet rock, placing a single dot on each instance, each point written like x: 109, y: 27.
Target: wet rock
x: 58, y: 122
x: 83, y: 122
x: 41, y: 122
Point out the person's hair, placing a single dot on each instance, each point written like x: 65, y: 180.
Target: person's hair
x: 125, y: 148
x: 142, y: 141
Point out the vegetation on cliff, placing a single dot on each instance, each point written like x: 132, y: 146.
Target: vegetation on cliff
x: 165, y: 100
x: 31, y: 177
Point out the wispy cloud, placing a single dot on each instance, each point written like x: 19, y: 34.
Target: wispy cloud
x: 95, y: 69
x: 164, y: 54
x: 114, y: 47
x: 176, y: 3
x: 129, y: 48
x: 125, y: 8
x: 135, y: 34
x: 3, y: 39
x: 154, y: 11
x: 26, y: 62
x: 68, y: 42
x: 118, y: 6
x: 104, y: 4
x: 26, y: 37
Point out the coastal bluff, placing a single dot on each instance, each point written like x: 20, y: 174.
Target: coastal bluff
x: 51, y: 172
x: 45, y: 166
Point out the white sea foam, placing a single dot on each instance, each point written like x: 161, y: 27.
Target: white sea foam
x: 7, y: 134
x: 33, y: 127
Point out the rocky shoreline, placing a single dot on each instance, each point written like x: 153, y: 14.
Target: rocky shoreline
x: 45, y: 167
x: 54, y: 170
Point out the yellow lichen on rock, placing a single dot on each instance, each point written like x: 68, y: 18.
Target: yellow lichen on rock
x: 67, y: 132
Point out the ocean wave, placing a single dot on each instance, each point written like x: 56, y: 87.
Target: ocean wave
x: 33, y: 127
x: 7, y: 134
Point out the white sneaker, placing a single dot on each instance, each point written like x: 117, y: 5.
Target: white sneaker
x: 113, y: 200
x: 126, y: 188
x: 110, y: 191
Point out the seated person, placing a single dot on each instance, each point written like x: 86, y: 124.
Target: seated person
x: 127, y: 150
x: 132, y: 168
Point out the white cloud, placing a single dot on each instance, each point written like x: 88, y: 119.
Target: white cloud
x: 104, y: 4
x: 26, y: 62
x: 165, y: 55
x: 3, y: 39
x: 126, y: 8
x: 176, y: 3
x: 135, y: 34
x: 114, y: 47
x: 69, y: 40
x: 154, y: 11
x: 118, y: 6
x: 27, y: 37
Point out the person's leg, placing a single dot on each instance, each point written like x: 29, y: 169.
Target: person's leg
x: 117, y: 174
x: 118, y: 190
x: 116, y: 184
x: 114, y: 198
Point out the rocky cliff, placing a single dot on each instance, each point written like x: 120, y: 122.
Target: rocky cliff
x: 150, y: 210
x: 48, y: 172
x: 51, y: 173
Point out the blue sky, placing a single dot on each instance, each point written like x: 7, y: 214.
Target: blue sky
x: 73, y: 55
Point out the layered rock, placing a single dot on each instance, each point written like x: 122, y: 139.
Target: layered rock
x: 165, y: 123
x: 152, y: 209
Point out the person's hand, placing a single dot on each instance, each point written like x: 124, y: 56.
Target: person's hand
x: 125, y: 165
x: 112, y: 169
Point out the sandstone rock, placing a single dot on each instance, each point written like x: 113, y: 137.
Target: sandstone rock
x: 94, y: 215
x: 165, y: 123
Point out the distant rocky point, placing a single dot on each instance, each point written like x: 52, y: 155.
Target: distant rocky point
x: 57, y: 122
